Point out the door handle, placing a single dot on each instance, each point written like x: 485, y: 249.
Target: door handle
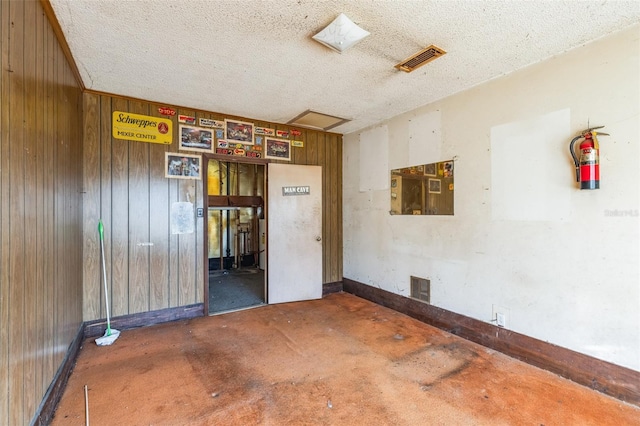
x: 318, y: 239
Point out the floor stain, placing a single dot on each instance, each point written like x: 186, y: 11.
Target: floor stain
x: 339, y: 360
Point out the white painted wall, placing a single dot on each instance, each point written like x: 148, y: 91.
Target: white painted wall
x: 564, y: 262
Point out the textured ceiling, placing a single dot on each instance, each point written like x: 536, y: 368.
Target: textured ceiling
x: 256, y: 58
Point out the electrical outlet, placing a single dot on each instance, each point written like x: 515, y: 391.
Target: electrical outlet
x: 500, y: 316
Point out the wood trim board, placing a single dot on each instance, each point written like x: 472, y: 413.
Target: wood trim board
x: 90, y: 329
x: 126, y: 322
x: 47, y: 408
x: 328, y: 288
x: 57, y: 30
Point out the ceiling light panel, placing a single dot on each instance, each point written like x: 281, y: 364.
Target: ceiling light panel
x: 341, y: 34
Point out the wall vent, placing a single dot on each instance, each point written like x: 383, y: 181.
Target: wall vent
x: 419, y: 59
x: 421, y: 289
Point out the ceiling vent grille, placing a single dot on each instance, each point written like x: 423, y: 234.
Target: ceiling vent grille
x: 419, y: 59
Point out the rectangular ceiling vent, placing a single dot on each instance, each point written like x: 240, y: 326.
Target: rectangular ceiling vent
x: 419, y: 59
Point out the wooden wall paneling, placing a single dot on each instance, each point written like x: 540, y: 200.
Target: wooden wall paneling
x: 201, y: 230
x: 106, y: 209
x: 30, y: 206
x: 321, y: 161
x: 159, y: 224
x: 16, y: 217
x: 295, y: 154
x: 202, y: 201
x: 72, y: 226
x: 301, y: 153
x: 187, y: 247
x: 64, y: 189
x: 328, y: 195
x: 49, y: 205
x: 59, y: 211
x: 330, y: 189
x: 119, y: 244
x: 200, y: 237
x: 40, y: 384
x: 74, y: 208
x: 311, y: 148
x: 40, y: 236
x: 5, y: 25
x: 174, y: 243
x: 139, y: 216
x: 92, y: 265
x: 187, y: 242
x: 338, y: 212
x: 61, y: 165
x: 177, y: 266
x: 333, y: 207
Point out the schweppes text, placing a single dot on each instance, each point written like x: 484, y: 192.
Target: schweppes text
x: 126, y: 118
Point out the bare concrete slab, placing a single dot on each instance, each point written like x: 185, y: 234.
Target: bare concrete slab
x: 337, y: 361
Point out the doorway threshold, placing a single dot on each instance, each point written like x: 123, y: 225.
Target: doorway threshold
x: 245, y: 308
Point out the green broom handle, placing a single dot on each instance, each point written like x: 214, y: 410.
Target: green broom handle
x: 104, y: 271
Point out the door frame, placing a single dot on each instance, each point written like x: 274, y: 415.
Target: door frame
x: 205, y: 223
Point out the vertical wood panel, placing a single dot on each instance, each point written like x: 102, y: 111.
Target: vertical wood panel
x: 40, y: 378
x: 199, y: 237
x: 4, y: 215
x: 91, y: 207
x: 301, y: 153
x: 174, y: 247
x: 188, y: 253
x: 138, y: 219
x: 119, y: 219
x: 159, y: 225
x: 338, y: 212
x: 72, y: 252
x: 61, y: 162
x: 49, y: 220
x: 336, y: 225
x: 105, y: 205
x: 16, y: 216
x: 321, y: 161
x: 311, y: 148
x: 187, y: 242
x: 29, y: 218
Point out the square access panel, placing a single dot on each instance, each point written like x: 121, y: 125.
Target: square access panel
x: 317, y: 120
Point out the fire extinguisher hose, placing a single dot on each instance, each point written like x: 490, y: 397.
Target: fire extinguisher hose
x: 575, y: 158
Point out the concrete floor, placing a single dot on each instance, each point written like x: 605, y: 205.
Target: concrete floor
x: 337, y: 361
x: 235, y: 289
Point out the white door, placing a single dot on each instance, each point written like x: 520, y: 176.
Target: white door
x: 294, y: 231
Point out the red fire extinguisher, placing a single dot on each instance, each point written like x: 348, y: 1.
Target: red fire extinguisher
x: 588, y: 161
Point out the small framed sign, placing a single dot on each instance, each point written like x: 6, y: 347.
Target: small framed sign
x: 196, y: 139
x: 182, y: 166
x: 239, y: 131
x: 277, y: 149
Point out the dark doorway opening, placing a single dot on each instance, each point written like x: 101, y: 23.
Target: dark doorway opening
x: 236, y: 235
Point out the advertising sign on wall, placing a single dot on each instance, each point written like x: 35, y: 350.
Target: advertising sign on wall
x: 141, y: 128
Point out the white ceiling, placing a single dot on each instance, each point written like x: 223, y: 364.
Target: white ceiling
x: 256, y: 58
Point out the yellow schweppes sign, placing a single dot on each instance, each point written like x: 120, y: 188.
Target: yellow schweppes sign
x: 141, y: 128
